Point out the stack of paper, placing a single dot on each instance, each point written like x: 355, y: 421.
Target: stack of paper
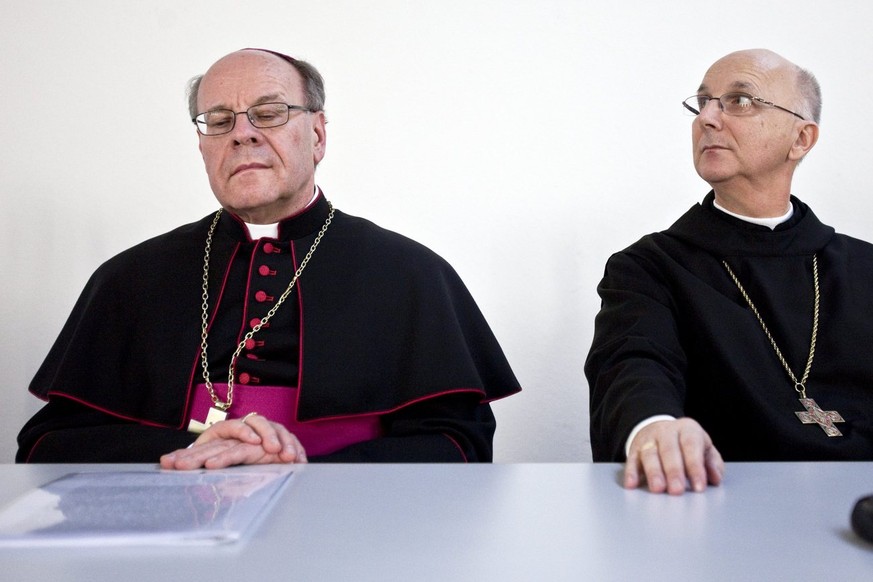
x: 143, y: 507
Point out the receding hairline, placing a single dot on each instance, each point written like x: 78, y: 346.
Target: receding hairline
x: 806, y: 86
x: 309, y: 77
x: 263, y: 53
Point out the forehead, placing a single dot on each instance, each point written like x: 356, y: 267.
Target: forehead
x: 752, y: 73
x: 241, y: 79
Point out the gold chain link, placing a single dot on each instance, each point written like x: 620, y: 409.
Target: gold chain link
x: 799, y: 386
x: 204, y: 317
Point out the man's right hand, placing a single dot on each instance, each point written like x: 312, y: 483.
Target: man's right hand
x: 671, y: 455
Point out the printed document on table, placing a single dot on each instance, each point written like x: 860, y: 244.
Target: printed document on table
x: 143, y: 507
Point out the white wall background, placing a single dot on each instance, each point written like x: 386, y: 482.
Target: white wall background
x: 522, y: 140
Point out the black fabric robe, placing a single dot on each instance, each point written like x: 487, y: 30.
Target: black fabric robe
x: 674, y: 336
x: 377, y: 324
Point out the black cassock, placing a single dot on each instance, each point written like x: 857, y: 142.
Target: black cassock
x: 377, y: 325
x: 675, y: 336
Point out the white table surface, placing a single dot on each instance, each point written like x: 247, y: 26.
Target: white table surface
x: 767, y: 521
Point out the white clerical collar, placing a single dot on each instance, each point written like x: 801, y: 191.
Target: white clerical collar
x: 257, y: 231
x: 770, y: 223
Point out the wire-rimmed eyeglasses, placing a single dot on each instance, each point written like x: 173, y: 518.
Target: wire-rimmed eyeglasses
x: 733, y: 104
x: 262, y: 116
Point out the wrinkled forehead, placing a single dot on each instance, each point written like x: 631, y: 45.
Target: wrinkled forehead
x: 760, y: 74
x: 247, y: 77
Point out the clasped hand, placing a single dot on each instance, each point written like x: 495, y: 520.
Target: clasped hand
x: 672, y: 455
x: 255, y: 441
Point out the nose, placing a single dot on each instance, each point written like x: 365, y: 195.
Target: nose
x: 711, y: 112
x: 243, y: 130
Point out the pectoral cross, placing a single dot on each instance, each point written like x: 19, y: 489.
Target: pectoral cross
x: 214, y: 415
x: 824, y: 418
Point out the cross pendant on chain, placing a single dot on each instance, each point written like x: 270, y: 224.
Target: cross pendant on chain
x: 214, y: 415
x: 824, y: 418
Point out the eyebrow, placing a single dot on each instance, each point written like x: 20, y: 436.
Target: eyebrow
x: 271, y: 98
x: 735, y: 86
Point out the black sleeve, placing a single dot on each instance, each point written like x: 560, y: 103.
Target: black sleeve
x: 64, y: 431
x: 454, y: 428
x: 636, y: 365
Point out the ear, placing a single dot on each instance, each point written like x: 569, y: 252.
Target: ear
x: 805, y: 140
x: 319, y: 136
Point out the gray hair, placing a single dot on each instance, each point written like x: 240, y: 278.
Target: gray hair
x: 313, y: 84
x: 810, y: 94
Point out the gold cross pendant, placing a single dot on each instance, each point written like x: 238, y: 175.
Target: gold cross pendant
x: 215, y: 415
x: 824, y: 418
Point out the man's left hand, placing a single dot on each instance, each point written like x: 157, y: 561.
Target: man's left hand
x: 253, y: 441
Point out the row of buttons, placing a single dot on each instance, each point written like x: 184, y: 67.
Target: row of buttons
x: 261, y: 297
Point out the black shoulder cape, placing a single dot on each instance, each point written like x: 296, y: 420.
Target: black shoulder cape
x: 385, y: 326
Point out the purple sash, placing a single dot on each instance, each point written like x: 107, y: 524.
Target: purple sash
x: 279, y: 404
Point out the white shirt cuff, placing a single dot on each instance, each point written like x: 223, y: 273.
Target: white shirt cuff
x: 640, y: 426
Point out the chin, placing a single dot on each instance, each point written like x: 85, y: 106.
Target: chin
x: 247, y: 200
x: 712, y: 175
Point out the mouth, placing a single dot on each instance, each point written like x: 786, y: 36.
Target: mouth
x: 246, y: 167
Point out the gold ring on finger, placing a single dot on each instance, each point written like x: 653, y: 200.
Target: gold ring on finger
x: 647, y: 445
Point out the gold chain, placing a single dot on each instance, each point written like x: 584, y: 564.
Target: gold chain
x: 799, y: 386
x: 204, y: 317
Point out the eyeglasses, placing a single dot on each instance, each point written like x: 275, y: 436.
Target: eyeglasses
x: 737, y: 104
x: 262, y: 116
